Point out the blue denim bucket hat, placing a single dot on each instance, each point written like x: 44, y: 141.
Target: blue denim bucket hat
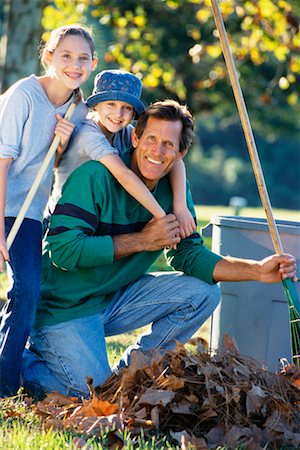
x: 117, y: 85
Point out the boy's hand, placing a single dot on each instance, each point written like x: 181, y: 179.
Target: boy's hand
x: 186, y: 221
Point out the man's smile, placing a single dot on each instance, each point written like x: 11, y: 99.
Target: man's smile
x: 153, y: 161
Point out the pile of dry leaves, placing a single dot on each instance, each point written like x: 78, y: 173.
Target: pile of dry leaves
x: 195, y: 399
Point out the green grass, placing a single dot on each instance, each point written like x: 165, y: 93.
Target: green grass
x: 20, y: 435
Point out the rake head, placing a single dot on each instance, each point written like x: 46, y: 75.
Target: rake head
x: 293, y: 302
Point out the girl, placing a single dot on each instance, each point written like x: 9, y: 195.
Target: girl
x: 30, y: 111
x: 116, y: 101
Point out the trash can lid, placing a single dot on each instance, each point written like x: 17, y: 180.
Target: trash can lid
x: 260, y: 224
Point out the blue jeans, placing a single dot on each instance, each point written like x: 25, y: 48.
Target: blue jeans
x: 61, y: 356
x: 18, y: 314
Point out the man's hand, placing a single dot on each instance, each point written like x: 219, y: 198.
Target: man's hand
x: 276, y: 268
x: 156, y: 235
x: 272, y: 269
x: 161, y: 233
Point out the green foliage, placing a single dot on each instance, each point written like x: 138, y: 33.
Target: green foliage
x: 172, y: 45
x: 219, y: 164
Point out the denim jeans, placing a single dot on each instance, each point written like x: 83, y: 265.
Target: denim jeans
x: 18, y: 314
x: 61, y: 356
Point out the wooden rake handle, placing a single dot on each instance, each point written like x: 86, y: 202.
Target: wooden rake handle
x: 52, y: 149
x: 246, y: 127
x: 290, y: 290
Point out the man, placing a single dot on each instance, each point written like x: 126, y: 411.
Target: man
x: 101, y: 243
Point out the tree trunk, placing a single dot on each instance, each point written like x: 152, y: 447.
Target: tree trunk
x: 21, y: 34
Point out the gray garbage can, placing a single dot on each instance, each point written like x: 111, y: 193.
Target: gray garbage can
x: 255, y: 314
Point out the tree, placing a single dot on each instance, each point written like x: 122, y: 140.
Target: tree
x: 172, y: 45
x: 21, y: 33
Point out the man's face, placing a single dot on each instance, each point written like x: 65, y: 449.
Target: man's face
x: 157, y: 150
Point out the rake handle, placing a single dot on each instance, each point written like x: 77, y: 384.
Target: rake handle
x: 288, y: 284
x: 246, y: 128
x: 52, y: 149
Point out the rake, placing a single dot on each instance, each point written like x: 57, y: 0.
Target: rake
x: 288, y: 284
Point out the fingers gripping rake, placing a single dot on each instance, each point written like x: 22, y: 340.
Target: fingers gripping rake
x: 52, y: 149
x: 289, y: 286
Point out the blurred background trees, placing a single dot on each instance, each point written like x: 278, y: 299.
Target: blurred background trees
x: 172, y: 45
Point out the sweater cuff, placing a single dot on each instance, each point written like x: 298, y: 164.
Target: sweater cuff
x: 7, y: 151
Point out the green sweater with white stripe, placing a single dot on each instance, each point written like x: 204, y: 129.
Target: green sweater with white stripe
x: 80, y: 275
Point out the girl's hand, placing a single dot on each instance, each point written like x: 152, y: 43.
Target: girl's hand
x: 186, y: 221
x: 4, y: 256
x: 64, y: 129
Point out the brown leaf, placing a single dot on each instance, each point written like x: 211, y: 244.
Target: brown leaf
x: 133, y: 422
x: 206, y: 412
x: 46, y: 409
x: 95, y: 407
x: 103, y: 407
x: 188, y: 441
x: 181, y: 408
x: 216, y: 435
x: 236, y: 394
x: 95, y: 425
x: 229, y: 345
x: 293, y: 372
x: 52, y: 423
x: 272, y: 420
x: 249, y: 437
x: 79, y: 442
x: 171, y: 383
x: 141, y: 413
x: 155, y: 416
x: 55, y: 398
x: 255, y: 399
x: 156, y: 397
x: 192, y: 398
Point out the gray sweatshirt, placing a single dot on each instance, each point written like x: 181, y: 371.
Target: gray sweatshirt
x: 27, y: 122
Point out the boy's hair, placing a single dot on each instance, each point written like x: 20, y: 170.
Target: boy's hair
x: 169, y: 110
x: 57, y: 35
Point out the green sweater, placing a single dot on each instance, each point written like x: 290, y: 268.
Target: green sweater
x: 80, y: 275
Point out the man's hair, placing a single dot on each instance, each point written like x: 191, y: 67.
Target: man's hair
x: 172, y: 111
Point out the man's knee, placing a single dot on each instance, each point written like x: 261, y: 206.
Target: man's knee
x: 204, y: 295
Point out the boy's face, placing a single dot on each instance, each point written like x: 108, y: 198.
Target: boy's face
x: 114, y: 115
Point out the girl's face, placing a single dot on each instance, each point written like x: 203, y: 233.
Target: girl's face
x: 114, y: 115
x: 71, y: 62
